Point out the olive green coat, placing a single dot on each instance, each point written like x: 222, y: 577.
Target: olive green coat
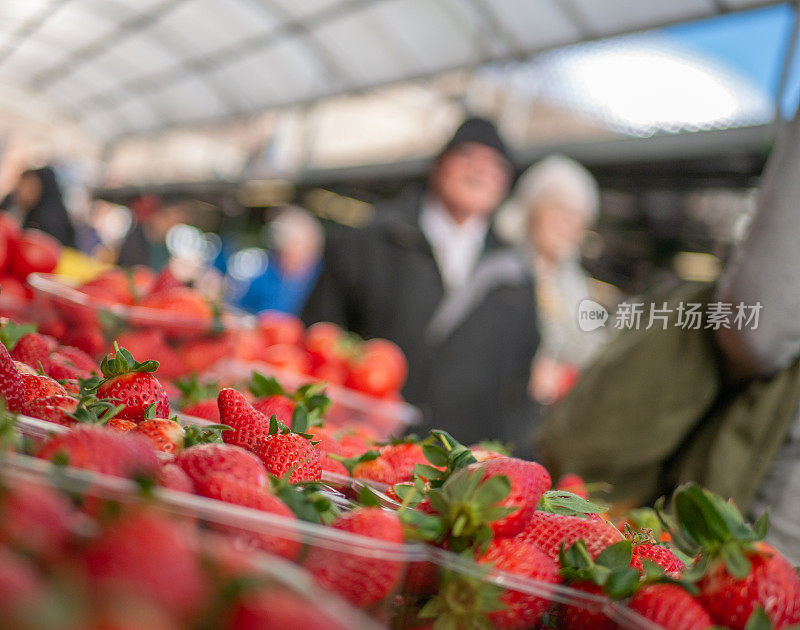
x: 653, y: 412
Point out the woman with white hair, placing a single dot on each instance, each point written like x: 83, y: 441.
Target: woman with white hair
x: 553, y: 205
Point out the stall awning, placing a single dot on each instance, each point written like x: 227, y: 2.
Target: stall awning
x: 124, y: 67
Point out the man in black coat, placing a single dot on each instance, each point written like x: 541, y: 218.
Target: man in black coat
x: 429, y: 274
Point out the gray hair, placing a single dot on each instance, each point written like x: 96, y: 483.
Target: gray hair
x: 560, y: 177
x: 294, y: 221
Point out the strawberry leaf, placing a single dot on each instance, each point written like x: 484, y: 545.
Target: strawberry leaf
x: 622, y: 583
x: 11, y: 332
x: 616, y: 556
x: 758, y: 620
x: 262, y: 386
x: 367, y: 497
x: 563, y: 502
x: 299, y: 419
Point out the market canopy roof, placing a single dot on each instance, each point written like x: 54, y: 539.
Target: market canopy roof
x: 137, y: 66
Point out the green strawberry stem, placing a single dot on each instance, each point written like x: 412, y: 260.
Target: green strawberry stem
x: 123, y: 363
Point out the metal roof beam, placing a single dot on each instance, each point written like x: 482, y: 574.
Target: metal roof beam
x: 28, y: 28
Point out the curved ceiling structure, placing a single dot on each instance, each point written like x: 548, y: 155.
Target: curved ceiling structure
x: 121, y: 67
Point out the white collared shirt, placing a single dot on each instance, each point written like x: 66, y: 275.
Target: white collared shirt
x: 456, y: 247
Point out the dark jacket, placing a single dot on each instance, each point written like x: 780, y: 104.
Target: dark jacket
x: 468, y: 371
x: 50, y: 215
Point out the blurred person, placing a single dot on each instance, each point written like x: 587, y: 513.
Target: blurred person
x: 715, y: 404
x: 292, y: 267
x: 430, y: 274
x: 145, y: 241
x: 553, y: 205
x: 37, y: 202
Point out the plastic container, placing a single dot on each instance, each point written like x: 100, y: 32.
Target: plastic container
x: 275, y: 575
x: 348, y: 407
x: 57, y: 299
x: 412, y: 572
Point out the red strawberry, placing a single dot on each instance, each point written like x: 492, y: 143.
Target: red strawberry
x: 85, y: 335
x: 132, y: 384
x: 279, y: 406
x: 333, y: 466
x: 147, y: 555
x: 172, y: 477
x: 52, y: 408
x: 165, y: 435
x: 660, y: 555
x: 32, y: 348
x: 60, y: 367
x: 206, y: 409
x: 24, y: 368
x: 361, y: 580
x: 278, y: 610
x: 40, y: 386
x: 34, y: 518
x: 739, y: 573
x: 286, y: 452
x: 21, y: 588
x: 521, y: 610
x: 529, y: 481
x: 771, y: 583
x: 588, y: 615
x: 205, y: 459
x: 96, y: 448
x: 11, y: 386
x: 120, y: 425
x: 182, y: 301
x: 325, y: 439
x: 671, y: 607
x: 378, y: 470
x: 249, y: 425
x: 549, y: 531
x: 199, y: 354
x: 279, y: 540
x: 78, y: 358
x: 402, y: 458
x: 113, y: 286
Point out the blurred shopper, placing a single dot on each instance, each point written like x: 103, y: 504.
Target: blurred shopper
x: 292, y: 267
x: 145, y: 241
x: 715, y: 404
x: 430, y: 274
x: 37, y: 202
x: 553, y: 205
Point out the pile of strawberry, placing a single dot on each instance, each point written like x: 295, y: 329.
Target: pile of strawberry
x: 165, y: 308
x: 101, y: 565
x: 23, y: 252
x: 270, y: 451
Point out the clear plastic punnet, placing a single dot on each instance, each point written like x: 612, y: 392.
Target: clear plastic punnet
x: 388, y: 582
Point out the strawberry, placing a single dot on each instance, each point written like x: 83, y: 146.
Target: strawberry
x: 58, y: 409
x: 205, y: 459
x: 57, y: 366
x: 549, y: 531
x: 32, y: 348
x: 206, y: 409
x: 521, y: 610
x: 325, y: 440
x: 112, y: 286
x: 403, y: 458
x: 187, y: 303
x: 278, y: 609
x: 285, y: 452
x: 35, y: 519
x: 281, y: 541
x: 24, y: 368
x: 120, y: 425
x: 659, y: 555
x: 588, y: 615
x: 172, y: 477
x: 147, y: 555
x: 12, y: 387
x: 378, y: 470
x: 164, y: 280
x: 334, y: 466
x: 40, y: 386
x: 85, y: 335
x: 363, y: 581
x: 78, y: 358
x: 280, y: 406
x: 165, y: 435
x: 108, y: 452
x: 133, y: 384
x: 671, y: 607
x: 249, y: 426
x: 738, y: 574
x: 529, y: 481
x: 463, y: 601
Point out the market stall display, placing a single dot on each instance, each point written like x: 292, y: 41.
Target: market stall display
x: 451, y: 537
